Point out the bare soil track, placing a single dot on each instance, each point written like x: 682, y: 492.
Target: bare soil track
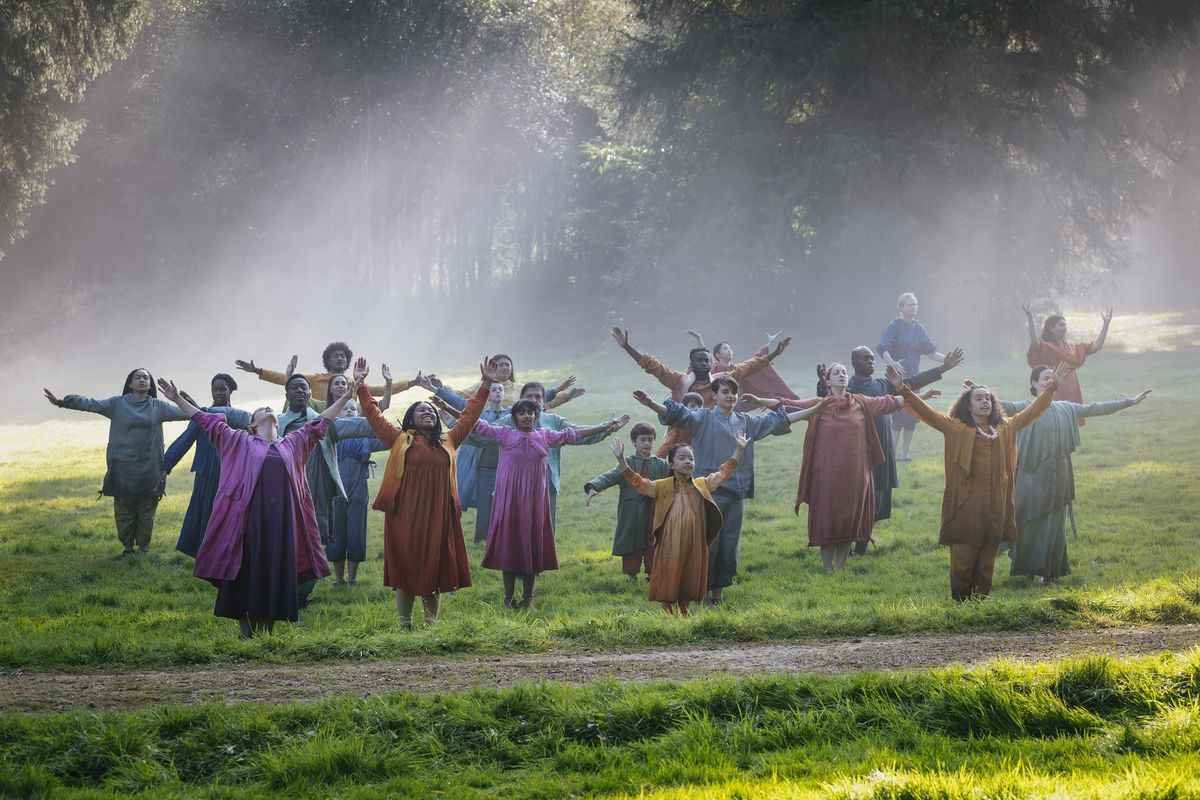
x: 48, y: 691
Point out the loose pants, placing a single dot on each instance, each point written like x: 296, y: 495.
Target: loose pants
x: 723, y: 552
x: 971, y: 569
x: 135, y: 519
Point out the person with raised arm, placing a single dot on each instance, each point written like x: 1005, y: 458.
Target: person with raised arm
x: 700, y: 376
x: 685, y: 521
x: 134, y: 477
x: 205, y: 464
x: 1051, y: 348
x: 336, y: 359
x: 714, y: 432
x: 978, y: 512
x: 424, y: 554
x: 262, y: 540
x: 901, y: 346
x: 564, y: 392
x: 1045, y: 486
x: 520, y: 539
x: 766, y: 382
x: 347, y: 547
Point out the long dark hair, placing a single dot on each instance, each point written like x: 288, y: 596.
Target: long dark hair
x: 409, y: 423
x: 129, y: 379
x: 1048, y: 327
x: 525, y: 405
x: 512, y: 376
x: 962, y: 408
x: 1036, y: 376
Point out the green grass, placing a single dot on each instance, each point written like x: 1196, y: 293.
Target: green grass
x: 1081, y: 728
x: 67, y: 602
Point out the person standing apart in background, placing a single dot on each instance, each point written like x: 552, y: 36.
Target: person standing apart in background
x: 903, y: 343
x: 1051, y: 348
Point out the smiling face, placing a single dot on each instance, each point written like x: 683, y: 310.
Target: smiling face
x: 139, y: 381
x: 298, y: 394
x: 981, y: 402
x: 863, y: 361
x: 839, y: 376
x: 683, y: 462
x: 727, y: 397
x: 424, y: 417
x: 220, y: 392
x: 338, y: 385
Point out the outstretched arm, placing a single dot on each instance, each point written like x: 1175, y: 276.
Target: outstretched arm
x: 470, y: 415
x: 77, y: 402
x: 621, y: 337
x: 1110, y: 407
x: 1031, y: 324
x: 179, y: 448
x: 384, y: 430
x: 1098, y: 345
x: 178, y: 398
x: 814, y: 408
x: 645, y: 399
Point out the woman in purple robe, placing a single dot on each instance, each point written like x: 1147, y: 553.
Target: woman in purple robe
x: 262, y: 538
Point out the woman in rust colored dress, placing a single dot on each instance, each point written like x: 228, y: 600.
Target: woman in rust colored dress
x: 1052, y: 348
x: 424, y: 554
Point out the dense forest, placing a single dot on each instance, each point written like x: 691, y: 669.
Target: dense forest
x: 447, y: 167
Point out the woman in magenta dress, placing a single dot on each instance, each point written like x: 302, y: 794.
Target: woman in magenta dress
x: 520, y: 538
x: 262, y: 540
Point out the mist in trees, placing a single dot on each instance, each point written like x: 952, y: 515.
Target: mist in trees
x: 253, y: 178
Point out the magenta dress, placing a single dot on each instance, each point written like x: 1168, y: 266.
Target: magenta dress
x: 521, y: 535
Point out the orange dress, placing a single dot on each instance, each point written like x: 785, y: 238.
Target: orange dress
x: 1051, y: 354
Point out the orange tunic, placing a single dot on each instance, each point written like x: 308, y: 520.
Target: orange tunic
x: 319, y: 383
x: 686, y: 519
x: 1051, y: 354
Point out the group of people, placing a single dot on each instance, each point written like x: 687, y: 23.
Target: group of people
x: 279, y: 495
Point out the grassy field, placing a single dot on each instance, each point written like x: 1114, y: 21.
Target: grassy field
x: 1075, y: 729
x: 67, y: 602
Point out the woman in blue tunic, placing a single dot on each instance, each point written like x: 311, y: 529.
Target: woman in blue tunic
x: 347, y: 546
x: 134, y: 478
x: 206, y: 464
x: 903, y: 343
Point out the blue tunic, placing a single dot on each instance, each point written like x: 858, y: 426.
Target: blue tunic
x: 206, y: 463
x: 906, y: 342
x: 348, y: 534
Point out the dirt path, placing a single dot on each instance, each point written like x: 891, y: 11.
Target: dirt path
x: 44, y: 691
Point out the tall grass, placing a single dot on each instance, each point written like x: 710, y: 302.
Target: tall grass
x: 1090, y: 728
x: 66, y: 601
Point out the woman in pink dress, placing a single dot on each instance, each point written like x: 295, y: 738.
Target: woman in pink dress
x: 520, y: 539
x: 1051, y: 348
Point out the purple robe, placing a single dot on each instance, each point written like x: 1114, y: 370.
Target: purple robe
x: 241, y: 455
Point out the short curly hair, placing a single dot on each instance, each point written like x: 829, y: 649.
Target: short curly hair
x: 332, y: 348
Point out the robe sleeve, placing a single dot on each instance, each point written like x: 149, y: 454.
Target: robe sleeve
x: 224, y: 438
x: 1029, y: 415
x: 169, y: 412
x: 1083, y: 410
x: 77, y: 402
x: 452, y: 398
x: 723, y: 474
x: 605, y: 480
x: 271, y: 376
x: 384, y: 430
x: 559, y: 438
x: 748, y: 367
x: 925, y: 345
x: 352, y: 428
x: 763, y: 425
x: 879, y: 406
x: 888, y: 340
x: 470, y: 416
x: 680, y: 416
x: 1010, y: 408
x: 1036, y: 355
x: 180, y: 446
x: 923, y: 379
x: 660, y: 371
x: 397, y: 388
x: 641, y: 484
x: 308, y: 436
x: 927, y: 414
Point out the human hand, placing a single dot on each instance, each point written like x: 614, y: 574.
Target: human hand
x: 1106, y: 316
x: 246, y: 366
x: 953, y: 359
x: 566, y: 384
x: 361, y: 370
x: 487, y: 370
x: 291, y: 365
x: 590, y: 492
x: 929, y: 394
x: 168, y: 390
x: 386, y: 373
x: 54, y: 401
x: 784, y: 343
x: 620, y: 336
x: 643, y: 398
x: 618, y: 423
x: 1141, y: 396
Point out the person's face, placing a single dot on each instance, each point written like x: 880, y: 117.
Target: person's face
x: 337, y: 387
x: 496, y: 394
x: 536, y: 395
x: 702, y: 362
x: 525, y: 419
x: 839, y: 376
x: 724, y: 352
x: 263, y: 421
x: 981, y: 402
x: 338, y: 361
x: 220, y: 392
x: 503, y: 369
x: 425, y: 417
x: 298, y: 394
x: 1043, y: 380
x: 684, y: 463
x: 139, y: 382
x: 1060, y: 329
x: 727, y: 397
x: 643, y: 445
x: 908, y: 309
x: 863, y: 361
x: 350, y: 409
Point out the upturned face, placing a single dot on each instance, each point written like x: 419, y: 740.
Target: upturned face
x: 262, y: 421
x: 723, y: 352
x: 908, y: 309
x: 839, y: 376
x: 298, y: 394
x: 525, y: 419
x: 338, y: 361
x: 220, y: 392
x: 496, y: 394
x: 504, y: 369
x: 338, y: 385
x: 139, y: 382
x: 981, y: 401
x: 684, y: 462
x: 1043, y: 381
x: 727, y: 397
x: 425, y: 417
x: 863, y: 361
x: 643, y: 446
x: 702, y: 362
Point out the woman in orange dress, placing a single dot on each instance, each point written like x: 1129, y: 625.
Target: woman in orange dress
x: 686, y: 521
x: 1052, y: 348
x: 424, y: 554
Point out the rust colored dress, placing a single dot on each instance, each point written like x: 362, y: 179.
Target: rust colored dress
x: 1051, y: 354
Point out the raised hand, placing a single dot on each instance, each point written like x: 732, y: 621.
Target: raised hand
x: 246, y: 366
x: 784, y: 343
x: 1141, y: 396
x: 771, y: 337
x: 953, y: 359
x: 291, y: 365
x: 968, y: 384
x: 1107, y: 315
x: 643, y: 398
x: 387, y: 373
x: 188, y: 397
x: 567, y: 383
x: 618, y: 423
x: 696, y: 335
x: 894, y: 376
x: 487, y: 370
x: 168, y: 390
x: 621, y: 336
x: 1057, y: 377
x: 54, y: 401
x: 618, y: 448
x: 361, y: 370
x: 929, y: 394
x: 1028, y: 311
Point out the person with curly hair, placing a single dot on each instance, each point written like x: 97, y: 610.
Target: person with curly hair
x: 336, y: 359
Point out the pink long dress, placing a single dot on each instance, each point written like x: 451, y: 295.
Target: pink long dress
x: 521, y: 535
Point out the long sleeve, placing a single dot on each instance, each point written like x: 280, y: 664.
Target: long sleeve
x: 77, y: 402
x: 470, y: 415
x: 930, y: 416
x: 1100, y: 409
x: 660, y: 371
x: 923, y: 379
x: 723, y: 474
x: 1030, y: 413
x: 309, y: 435
x: 271, y: 376
x: 386, y: 431
x: 644, y: 486
x: 559, y: 438
x: 352, y: 428
x: 485, y: 431
x: 397, y: 388
x: 679, y: 415
x: 180, y: 446
x: 887, y: 342
x: 880, y: 406
x: 605, y: 480
x: 763, y: 425
x: 169, y: 412
x: 223, y: 438
x: 452, y: 398
x: 748, y: 367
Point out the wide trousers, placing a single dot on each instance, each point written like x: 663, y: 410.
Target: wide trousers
x: 135, y: 519
x: 723, y: 552
x: 971, y: 569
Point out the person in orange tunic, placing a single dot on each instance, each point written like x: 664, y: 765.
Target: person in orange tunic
x: 978, y: 510
x: 1052, y: 348
x: 336, y: 357
x: 764, y: 383
x: 686, y: 521
x: 424, y: 554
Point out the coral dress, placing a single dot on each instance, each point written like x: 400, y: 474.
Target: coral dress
x: 521, y: 535
x: 1051, y: 354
